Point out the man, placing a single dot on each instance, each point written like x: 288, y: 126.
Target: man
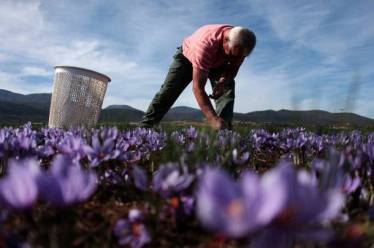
x: 215, y: 52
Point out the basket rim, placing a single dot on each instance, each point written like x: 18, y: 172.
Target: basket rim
x: 83, y: 69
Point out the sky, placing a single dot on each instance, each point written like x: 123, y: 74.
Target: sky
x: 309, y: 54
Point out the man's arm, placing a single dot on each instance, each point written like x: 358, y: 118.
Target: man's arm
x: 227, y: 76
x: 199, y: 78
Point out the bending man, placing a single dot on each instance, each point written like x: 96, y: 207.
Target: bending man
x: 215, y: 52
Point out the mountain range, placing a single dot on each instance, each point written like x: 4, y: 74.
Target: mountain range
x: 19, y: 108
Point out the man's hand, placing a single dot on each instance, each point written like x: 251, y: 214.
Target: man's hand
x: 219, y: 89
x: 218, y: 123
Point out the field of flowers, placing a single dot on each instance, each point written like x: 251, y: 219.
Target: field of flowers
x: 187, y: 188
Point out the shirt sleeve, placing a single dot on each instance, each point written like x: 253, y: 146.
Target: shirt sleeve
x: 202, y: 58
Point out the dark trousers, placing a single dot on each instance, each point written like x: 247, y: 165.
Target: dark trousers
x: 177, y: 79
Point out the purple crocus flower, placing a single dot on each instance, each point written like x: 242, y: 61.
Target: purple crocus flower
x: 234, y: 209
x: 19, y: 188
x: 354, y: 157
x: 351, y: 184
x: 221, y: 204
x: 122, y: 145
x: 102, y: 152
x: 154, y: 141
x: 46, y: 151
x: 109, y: 133
x: 284, y: 203
x: 239, y: 159
x: 303, y: 215
x: 171, y: 178
x: 66, y: 183
x: 132, y: 231
x: 368, y: 149
x: 73, y: 146
x: 333, y: 175
x: 133, y: 156
x: 22, y: 144
x: 301, y: 140
x: 4, y: 136
x: 226, y: 138
x: 317, y: 143
x: 178, y: 137
x: 140, y: 178
x: 191, y: 133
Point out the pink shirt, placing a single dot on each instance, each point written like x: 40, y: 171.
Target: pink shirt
x: 204, y: 47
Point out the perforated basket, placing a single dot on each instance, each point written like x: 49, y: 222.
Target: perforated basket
x: 77, y: 97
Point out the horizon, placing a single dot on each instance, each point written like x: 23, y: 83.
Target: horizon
x: 236, y: 112
x: 309, y: 55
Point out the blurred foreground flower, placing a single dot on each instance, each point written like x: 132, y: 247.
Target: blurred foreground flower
x: 282, y: 205
x: 66, y: 183
x: 132, y: 231
x: 19, y: 188
x: 333, y: 173
x: 234, y: 209
x: 304, y: 214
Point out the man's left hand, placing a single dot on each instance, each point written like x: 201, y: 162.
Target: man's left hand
x: 219, y: 89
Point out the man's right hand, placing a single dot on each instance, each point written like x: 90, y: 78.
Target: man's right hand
x: 218, y: 91
x: 218, y: 123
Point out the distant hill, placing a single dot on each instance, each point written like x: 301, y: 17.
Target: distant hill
x: 41, y: 100
x: 125, y: 107
x: 305, y: 117
x: 117, y: 114
x: 120, y: 113
x: 19, y: 108
x: 183, y: 113
x: 21, y: 113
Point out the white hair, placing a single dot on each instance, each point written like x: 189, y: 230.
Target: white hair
x: 239, y: 36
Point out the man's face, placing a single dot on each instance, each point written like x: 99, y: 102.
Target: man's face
x: 236, y: 52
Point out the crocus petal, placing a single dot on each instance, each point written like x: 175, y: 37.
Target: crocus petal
x: 140, y: 178
x: 67, y: 183
x: 276, y: 187
x: 19, y: 188
x: 335, y: 202
x: 220, y: 204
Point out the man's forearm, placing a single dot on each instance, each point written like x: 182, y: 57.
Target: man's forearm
x: 199, y: 78
x: 204, y: 103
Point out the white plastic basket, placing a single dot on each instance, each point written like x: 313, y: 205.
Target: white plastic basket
x: 77, y: 97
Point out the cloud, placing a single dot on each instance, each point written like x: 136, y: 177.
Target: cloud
x: 35, y: 71
x: 320, y: 26
x: 3, y: 56
x: 15, y: 83
x: 306, y: 54
x: 21, y: 19
x: 28, y: 36
x: 260, y: 90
